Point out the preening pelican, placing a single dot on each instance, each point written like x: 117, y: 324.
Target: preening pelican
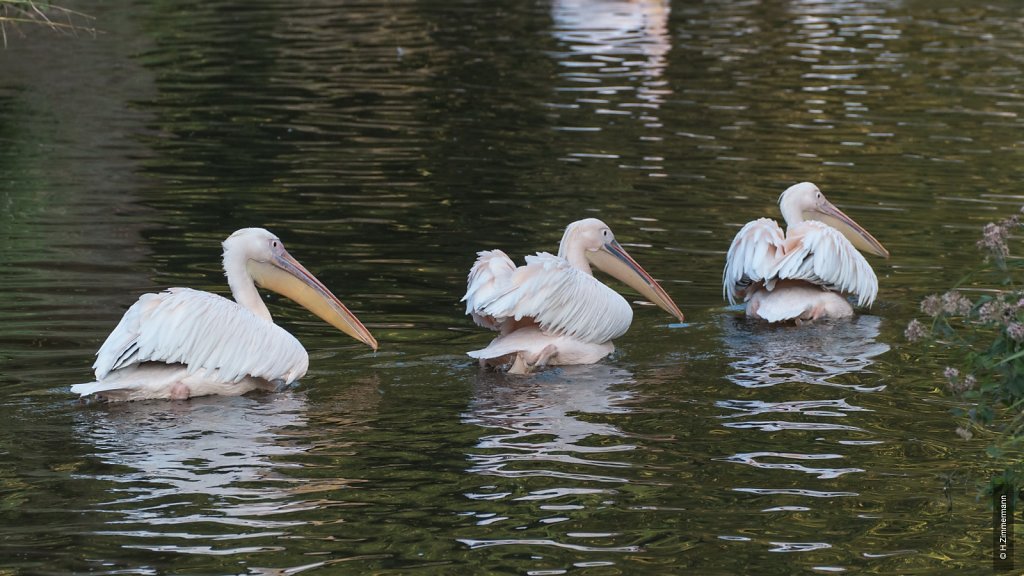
x: 182, y: 342
x: 804, y: 273
x: 552, y: 311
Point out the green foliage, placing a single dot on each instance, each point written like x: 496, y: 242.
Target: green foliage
x: 986, y: 336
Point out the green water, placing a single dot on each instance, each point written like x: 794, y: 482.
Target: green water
x: 385, y: 143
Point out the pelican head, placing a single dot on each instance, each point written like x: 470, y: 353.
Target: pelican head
x: 804, y: 201
x: 591, y: 241
x: 262, y: 256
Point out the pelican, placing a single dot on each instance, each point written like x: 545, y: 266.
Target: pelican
x: 552, y: 311
x: 182, y: 343
x: 804, y: 273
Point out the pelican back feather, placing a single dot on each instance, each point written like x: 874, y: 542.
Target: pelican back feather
x: 751, y: 258
x: 562, y: 300
x: 206, y: 333
x: 488, y: 277
x: 819, y: 254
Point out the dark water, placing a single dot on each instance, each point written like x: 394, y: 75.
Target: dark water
x: 386, y: 142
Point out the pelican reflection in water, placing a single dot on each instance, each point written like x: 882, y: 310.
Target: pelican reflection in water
x: 220, y: 473
x: 552, y: 449
x: 540, y: 425
x: 200, y: 477
x: 824, y: 353
x: 804, y: 385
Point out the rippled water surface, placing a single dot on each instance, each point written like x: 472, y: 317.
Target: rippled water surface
x: 386, y: 142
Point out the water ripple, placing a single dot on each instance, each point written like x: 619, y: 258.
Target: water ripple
x: 831, y: 408
x: 796, y: 492
x: 543, y: 423
x: 820, y: 354
x: 217, y: 467
x: 779, y: 425
x: 798, y: 546
x: 555, y: 429
x: 752, y: 459
x: 612, y: 55
x: 537, y: 542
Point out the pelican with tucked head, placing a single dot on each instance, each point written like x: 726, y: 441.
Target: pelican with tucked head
x: 805, y: 272
x: 552, y: 311
x: 182, y: 343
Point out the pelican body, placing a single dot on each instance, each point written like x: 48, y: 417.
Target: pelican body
x: 806, y: 272
x: 182, y: 343
x: 552, y: 311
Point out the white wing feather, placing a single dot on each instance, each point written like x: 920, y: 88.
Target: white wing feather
x: 206, y: 333
x: 487, y: 279
x: 561, y: 299
x: 820, y: 254
x: 751, y: 258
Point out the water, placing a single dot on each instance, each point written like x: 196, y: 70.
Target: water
x: 385, y: 143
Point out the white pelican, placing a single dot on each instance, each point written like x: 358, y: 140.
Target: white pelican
x: 552, y: 311
x: 804, y: 273
x: 182, y: 343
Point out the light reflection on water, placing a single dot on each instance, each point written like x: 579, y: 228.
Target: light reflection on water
x: 795, y: 360
x: 543, y: 419
x: 543, y: 426
x: 786, y: 371
x: 819, y: 354
x: 611, y: 57
x: 614, y: 55
x: 209, y: 470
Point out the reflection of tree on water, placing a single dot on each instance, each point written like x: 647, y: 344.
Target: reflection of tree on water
x: 543, y: 430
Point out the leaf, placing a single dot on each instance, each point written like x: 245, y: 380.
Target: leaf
x: 1011, y: 358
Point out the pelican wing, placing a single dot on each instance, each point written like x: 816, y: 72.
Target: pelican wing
x: 561, y: 299
x: 487, y: 280
x: 204, y: 332
x: 752, y: 257
x: 817, y: 253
